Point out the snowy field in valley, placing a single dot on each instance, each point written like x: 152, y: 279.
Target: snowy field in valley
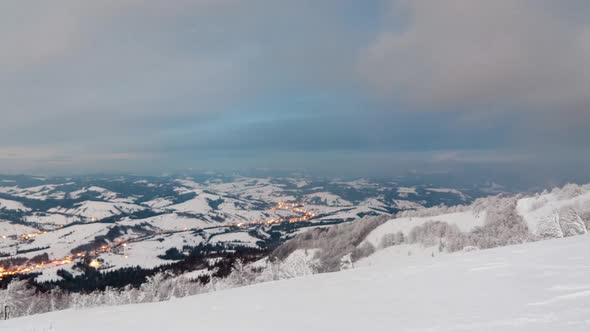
x: 541, y: 286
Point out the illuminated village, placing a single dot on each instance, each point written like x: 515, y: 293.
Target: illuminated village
x: 91, y: 257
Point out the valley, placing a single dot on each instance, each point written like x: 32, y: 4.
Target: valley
x: 52, y: 226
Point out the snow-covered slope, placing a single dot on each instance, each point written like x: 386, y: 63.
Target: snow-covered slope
x: 6, y: 204
x: 7, y: 229
x: 47, y: 220
x: 217, y: 208
x: 540, y: 286
x: 239, y: 238
x: 40, y: 192
x: 448, y: 190
x: 60, y: 242
x: 326, y: 198
x: 98, y: 210
x: 102, y: 193
x: 405, y: 191
x: 158, y: 203
x: 466, y: 221
x: 561, y: 212
x: 540, y: 211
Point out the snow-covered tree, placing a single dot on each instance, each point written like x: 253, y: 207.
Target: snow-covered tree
x: 364, y: 250
x: 346, y: 262
x: 332, y: 243
x: 392, y: 239
x: 241, y: 275
x: 571, y: 223
x: 19, y: 297
x: 549, y: 227
x: 154, y: 289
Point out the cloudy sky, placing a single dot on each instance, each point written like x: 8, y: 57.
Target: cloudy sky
x: 326, y: 85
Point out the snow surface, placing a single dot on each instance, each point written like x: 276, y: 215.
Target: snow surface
x: 167, y: 222
x: 8, y: 229
x: 50, y: 273
x: 466, y: 221
x: 536, y: 208
x: 98, y: 210
x: 40, y: 192
x: 403, y: 204
x: 406, y: 191
x: 448, y: 191
x: 61, y: 241
x: 327, y: 198
x: 145, y: 253
x: 401, y: 253
x: 158, y: 203
x: 533, y: 210
x: 51, y: 219
x: 6, y: 204
x: 536, y: 287
x: 241, y: 238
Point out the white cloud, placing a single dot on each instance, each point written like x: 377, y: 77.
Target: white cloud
x: 488, y: 54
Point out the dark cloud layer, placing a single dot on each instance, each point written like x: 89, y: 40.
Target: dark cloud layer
x: 358, y: 87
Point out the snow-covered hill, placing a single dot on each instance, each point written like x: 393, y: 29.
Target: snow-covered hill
x: 557, y: 213
x: 6, y: 204
x: 47, y: 218
x: 541, y: 286
x: 465, y: 220
x: 560, y: 212
x: 96, y: 210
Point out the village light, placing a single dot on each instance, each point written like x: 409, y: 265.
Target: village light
x: 94, y: 263
x: 293, y: 207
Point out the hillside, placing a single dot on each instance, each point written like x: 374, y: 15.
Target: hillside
x: 541, y: 286
x: 560, y: 212
x: 127, y: 221
x: 173, y: 255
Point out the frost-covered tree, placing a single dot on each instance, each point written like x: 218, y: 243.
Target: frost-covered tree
x: 185, y: 287
x: 332, y: 243
x: 570, y: 190
x: 155, y: 288
x: 502, y: 226
x: 571, y: 223
x: 346, y: 262
x: 431, y: 211
x: 57, y: 299
x: 19, y: 297
x: 585, y: 216
x: 25, y: 300
x: 300, y: 263
x: 549, y: 227
x: 432, y: 232
x: 240, y: 274
x: 392, y: 239
x: 364, y: 250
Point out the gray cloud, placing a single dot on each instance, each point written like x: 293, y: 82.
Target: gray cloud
x: 110, y: 78
x: 162, y: 57
x: 35, y: 33
x: 159, y: 84
x: 517, y: 54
